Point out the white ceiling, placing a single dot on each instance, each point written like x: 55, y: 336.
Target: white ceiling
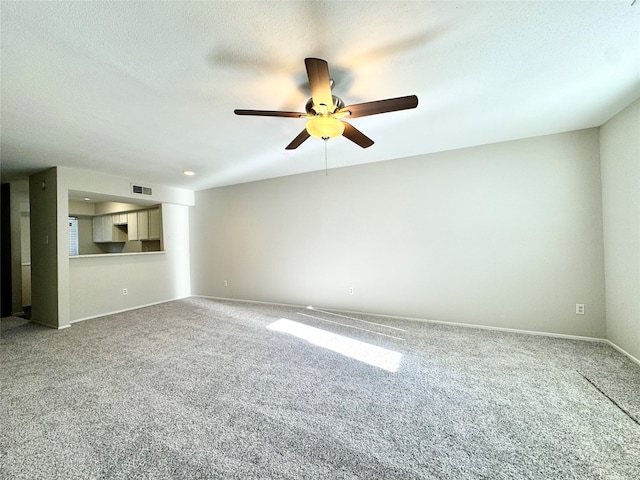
x: 148, y: 89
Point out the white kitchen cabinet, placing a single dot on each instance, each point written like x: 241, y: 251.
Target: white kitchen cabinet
x: 105, y: 231
x: 120, y: 218
x: 129, y: 226
x: 155, y: 224
x: 143, y: 225
x: 102, y: 229
x: 98, y: 230
x: 132, y: 226
x: 118, y: 229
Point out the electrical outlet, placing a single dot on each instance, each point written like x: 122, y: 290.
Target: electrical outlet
x: 226, y: 284
x: 125, y: 291
x: 579, y: 308
x: 350, y: 290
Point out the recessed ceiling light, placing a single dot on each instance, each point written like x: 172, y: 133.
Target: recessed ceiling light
x: 189, y: 173
x: 87, y: 199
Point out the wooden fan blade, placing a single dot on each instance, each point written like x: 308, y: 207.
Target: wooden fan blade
x: 319, y: 81
x: 381, y: 106
x: 356, y: 136
x: 270, y: 113
x: 298, y: 140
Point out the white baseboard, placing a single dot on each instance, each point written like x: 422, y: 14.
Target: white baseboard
x: 623, y: 351
x: 467, y: 325
x: 510, y: 330
x: 251, y: 301
x: 61, y: 327
x: 123, y: 310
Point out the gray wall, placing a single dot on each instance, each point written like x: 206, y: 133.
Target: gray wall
x: 44, y: 243
x: 620, y: 158
x: 503, y: 235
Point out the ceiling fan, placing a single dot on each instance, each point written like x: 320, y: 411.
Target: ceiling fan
x: 325, y: 111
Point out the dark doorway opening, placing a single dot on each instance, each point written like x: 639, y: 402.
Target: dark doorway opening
x: 5, y: 255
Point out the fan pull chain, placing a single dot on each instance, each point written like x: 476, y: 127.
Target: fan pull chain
x: 326, y: 168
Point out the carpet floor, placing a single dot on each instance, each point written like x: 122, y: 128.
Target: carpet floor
x: 206, y: 389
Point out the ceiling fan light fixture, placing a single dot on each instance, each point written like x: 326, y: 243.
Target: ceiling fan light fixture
x: 324, y: 127
x: 324, y: 110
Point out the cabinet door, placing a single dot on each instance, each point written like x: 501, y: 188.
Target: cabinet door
x: 119, y: 218
x: 154, y: 224
x: 97, y: 229
x: 107, y: 228
x: 132, y: 226
x: 143, y: 225
x: 118, y: 229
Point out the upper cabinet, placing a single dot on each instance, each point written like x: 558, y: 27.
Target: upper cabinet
x: 155, y: 224
x: 102, y: 231
x: 132, y: 224
x: 120, y: 218
x: 98, y: 230
x: 108, y: 228
x: 143, y: 225
x: 129, y: 226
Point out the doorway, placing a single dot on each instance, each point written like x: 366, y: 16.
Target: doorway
x: 5, y: 254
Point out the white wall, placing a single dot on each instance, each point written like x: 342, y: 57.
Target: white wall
x: 96, y: 283
x: 120, y: 186
x: 620, y: 158
x: 504, y: 235
x: 67, y: 289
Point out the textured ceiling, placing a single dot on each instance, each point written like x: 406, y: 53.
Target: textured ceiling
x: 148, y: 89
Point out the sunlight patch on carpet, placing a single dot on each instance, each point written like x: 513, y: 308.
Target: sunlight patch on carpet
x: 364, y: 352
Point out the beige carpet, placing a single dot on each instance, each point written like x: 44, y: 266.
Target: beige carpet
x: 199, y: 388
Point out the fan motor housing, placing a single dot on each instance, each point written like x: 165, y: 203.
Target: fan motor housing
x: 337, y: 101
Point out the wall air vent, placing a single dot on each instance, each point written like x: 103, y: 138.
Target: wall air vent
x: 140, y: 190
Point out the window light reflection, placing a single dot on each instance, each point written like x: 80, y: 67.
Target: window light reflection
x: 364, y: 352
